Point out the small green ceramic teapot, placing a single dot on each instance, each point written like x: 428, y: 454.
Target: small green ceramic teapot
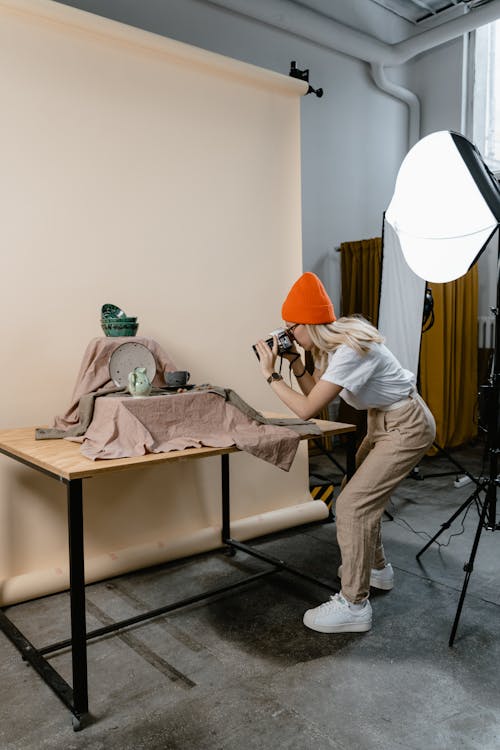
x: 138, y: 382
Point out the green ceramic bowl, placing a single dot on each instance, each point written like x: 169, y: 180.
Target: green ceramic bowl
x: 117, y: 328
x: 125, y: 319
x: 112, y: 311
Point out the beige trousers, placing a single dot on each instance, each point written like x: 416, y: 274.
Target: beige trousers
x: 395, y: 442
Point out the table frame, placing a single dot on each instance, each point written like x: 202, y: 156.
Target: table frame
x: 75, y: 697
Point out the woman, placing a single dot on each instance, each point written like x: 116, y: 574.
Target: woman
x: 352, y: 361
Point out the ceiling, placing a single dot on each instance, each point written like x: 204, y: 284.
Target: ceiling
x: 417, y: 11
x: 391, y: 20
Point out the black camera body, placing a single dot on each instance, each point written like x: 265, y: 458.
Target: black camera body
x: 285, y: 341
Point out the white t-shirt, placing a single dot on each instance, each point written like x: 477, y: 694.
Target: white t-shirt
x: 372, y: 380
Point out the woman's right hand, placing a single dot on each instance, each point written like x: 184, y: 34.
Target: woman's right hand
x: 267, y: 356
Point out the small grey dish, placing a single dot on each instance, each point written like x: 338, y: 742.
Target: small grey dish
x: 177, y: 378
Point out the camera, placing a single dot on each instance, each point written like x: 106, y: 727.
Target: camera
x: 285, y: 341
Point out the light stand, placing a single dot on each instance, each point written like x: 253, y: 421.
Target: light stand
x: 489, y: 409
x: 445, y: 210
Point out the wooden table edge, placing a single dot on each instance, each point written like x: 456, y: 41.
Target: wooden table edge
x: 15, y: 444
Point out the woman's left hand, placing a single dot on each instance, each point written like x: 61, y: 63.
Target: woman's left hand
x: 267, y: 356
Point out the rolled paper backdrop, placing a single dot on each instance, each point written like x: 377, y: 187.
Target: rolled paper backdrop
x: 116, y: 562
x: 206, y: 138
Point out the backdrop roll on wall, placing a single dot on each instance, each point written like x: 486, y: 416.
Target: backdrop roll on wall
x: 165, y: 179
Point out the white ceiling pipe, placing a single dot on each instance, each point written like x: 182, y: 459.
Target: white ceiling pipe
x: 317, y: 28
x: 476, y: 17
x: 405, y: 95
x: 310, y: 25
x: 320, y: 29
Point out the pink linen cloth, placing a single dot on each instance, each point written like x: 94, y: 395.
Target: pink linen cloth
x: 94, y: 371
x: 124, y: 426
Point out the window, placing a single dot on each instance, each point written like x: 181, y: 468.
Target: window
x: 486, y: 101
x: 485, y: 111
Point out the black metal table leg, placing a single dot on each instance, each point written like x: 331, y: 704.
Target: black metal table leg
x: 226, y: 509
x: 32, y: 655
x: 75, y: 697
x: 77, y: 598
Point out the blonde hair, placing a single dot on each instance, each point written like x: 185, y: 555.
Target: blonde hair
x: 354, y: 331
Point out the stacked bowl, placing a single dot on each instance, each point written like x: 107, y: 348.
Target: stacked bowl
x: 115, y: 322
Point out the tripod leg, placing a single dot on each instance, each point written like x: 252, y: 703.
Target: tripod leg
x: 447, y: 524
x: 469, y: 567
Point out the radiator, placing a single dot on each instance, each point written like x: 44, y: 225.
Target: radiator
x: 486, y: 332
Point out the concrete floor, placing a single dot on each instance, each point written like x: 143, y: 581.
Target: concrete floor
x: 242, y: 671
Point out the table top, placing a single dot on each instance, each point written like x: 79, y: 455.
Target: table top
x: 62, y: 458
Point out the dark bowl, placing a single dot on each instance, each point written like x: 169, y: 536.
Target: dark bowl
x: 116, y: 328
x: 126, y: 319
x: 112, y: 311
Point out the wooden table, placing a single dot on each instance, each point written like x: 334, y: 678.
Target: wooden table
x: 63, y: 461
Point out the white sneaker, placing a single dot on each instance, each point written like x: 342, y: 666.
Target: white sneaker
x: 379, y: 579
x: 338, y: 616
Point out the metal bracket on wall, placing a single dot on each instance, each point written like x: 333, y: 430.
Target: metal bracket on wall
x: 303, y: 75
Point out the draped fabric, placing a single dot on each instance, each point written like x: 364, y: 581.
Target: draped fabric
x: 448, y: 360
x: 361, y: 271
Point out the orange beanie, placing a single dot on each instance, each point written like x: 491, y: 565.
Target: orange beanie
x: 308, y: 302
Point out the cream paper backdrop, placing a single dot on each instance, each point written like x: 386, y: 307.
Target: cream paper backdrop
x: 147, y: 173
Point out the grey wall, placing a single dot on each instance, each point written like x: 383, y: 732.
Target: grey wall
x: 436, y: 78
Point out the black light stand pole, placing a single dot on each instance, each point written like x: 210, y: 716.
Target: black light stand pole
x: 487, y: 518
x: 490, y: 415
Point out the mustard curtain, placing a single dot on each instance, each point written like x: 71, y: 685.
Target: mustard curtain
x: 448, y: 353
x: 448, y: 360
x: 361, y: 265
x: 361, y: 272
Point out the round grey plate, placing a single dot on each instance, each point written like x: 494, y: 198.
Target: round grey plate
x: 126, y: 358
